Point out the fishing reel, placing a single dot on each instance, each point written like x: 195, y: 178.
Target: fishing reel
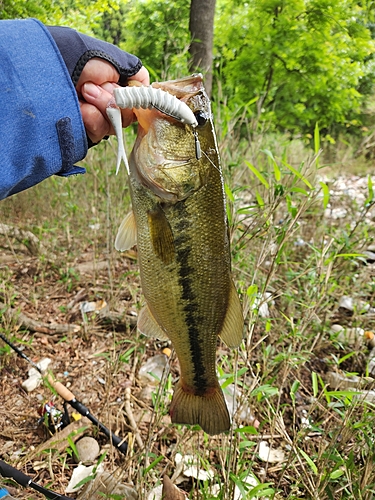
x: 53, y: 419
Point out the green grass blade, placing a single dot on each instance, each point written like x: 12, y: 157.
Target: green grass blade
x: 326, y: 194
x: 258, y: 175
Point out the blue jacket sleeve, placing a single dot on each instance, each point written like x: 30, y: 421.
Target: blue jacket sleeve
x: 41, y: 128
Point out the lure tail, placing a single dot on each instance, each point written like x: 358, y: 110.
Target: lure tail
x: 114, y: 114
x: 209, y: 410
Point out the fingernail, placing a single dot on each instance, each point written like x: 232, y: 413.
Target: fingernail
x: 92, y: 90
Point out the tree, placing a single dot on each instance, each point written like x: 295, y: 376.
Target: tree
x: 201, y: 26
x: 302, y: 60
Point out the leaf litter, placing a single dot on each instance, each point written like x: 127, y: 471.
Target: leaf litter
x: 103, y: 361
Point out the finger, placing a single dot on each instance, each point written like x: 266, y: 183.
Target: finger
x: 142, y: 76
x: 96, y: 125
x: 97, y: 71
x: 100, y: 96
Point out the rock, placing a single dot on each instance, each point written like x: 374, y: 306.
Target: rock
x: 338, y: 381
x: 88, y: 449
x: 151, y: 372
x: 32, y: 382
x: 146, y: 394
x: 232, y: 395
x: 79, y: 474
x: 350, y: 336
x: 192, y: 467
x: 371, y: 363
x: 107, y: 485
x: 271, y: 455
x: 156, y: 493
x: 35, y: 377
x: 350, y: 304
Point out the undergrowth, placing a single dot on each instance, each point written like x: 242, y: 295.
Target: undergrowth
x: 292, y: 262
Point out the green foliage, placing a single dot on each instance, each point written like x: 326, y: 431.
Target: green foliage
x: 304, y: 60
x: 287, y: 65
x: 155, y: 30
x: 83, y: 15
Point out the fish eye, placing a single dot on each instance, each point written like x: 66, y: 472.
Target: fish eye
x: 201, y: 118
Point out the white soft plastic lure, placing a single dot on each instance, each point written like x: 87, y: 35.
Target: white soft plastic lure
x: 146, y: 98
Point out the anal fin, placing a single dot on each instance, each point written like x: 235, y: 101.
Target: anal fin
x: 232, y: 330
x: 148, y: 325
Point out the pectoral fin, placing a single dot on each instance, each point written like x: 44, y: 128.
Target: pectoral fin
x: 127, y: 233
x: 161, y: 235
x: 148, y: 325
x: 232, y: 331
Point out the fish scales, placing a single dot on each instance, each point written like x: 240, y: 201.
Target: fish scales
x: 184, y: 254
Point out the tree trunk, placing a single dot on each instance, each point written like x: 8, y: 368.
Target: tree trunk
x: 201, y: 27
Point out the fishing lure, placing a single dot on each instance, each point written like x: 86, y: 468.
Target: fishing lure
x: 147, y: 98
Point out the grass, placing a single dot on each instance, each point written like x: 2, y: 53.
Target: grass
x: 286, y: 255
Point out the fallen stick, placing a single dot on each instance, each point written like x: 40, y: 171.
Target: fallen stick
x: 27, y: 238
x: 59, y: 441
x: 37, y: 326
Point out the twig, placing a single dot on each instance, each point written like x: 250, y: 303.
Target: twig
x: 31, y: 242
x: 129, y: 411
x: 132, y: 422
x: 37, y: 326
x: 59, y: 441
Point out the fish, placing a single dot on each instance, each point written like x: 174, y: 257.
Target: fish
x: 178, y: 221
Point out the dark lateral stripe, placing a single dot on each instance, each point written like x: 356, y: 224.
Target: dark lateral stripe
x: 183, y: 251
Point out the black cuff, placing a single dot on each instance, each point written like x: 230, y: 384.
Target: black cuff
x: 77, y: 49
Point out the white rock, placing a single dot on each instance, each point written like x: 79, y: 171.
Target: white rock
x: 151, y: 372
x: 271, y: 455
x: 338, y: 381
x: 232, y: 398
x: 156, y: 493
x: 32, y: 382
x: 250, y: 480
x: 44, y: 364
x: 80, y: 473
x: 337, y: 328
x: 191, y: 469
x: 371, y: 363
x: 349, y: 303
x: 88, y: 449
x: 368, y: 396
x: 350, y: 335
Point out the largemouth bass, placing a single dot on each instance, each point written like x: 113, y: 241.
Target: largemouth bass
x: 179, y: 224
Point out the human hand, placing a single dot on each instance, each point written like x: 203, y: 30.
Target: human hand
x: 95, y: 88
x: 96, y: 68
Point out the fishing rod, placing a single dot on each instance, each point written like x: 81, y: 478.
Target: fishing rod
x: 26, y: 481
x: 70, y: 398
x: 20, y: 353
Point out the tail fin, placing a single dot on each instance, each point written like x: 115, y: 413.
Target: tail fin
x: 209, y: 411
